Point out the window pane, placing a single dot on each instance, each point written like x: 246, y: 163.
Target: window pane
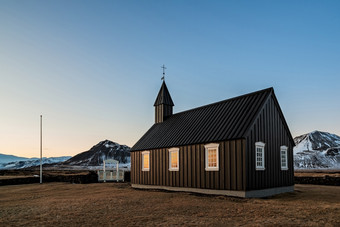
x: 212, y: 158
x: 174, y: 159
x: 146, y: 161
x: 259, y: 157
x: 283, y: 158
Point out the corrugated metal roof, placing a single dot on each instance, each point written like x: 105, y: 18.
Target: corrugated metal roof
x: 163, y: 96
x: 228, y: 119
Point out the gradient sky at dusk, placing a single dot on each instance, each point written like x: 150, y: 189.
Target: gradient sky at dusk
x: 93, y: 68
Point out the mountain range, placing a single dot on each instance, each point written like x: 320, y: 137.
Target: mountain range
x: 4, y: 158
x: 92, y: 158
x: 14, y: 162
x: 317, y: 150
x: 313, y: 150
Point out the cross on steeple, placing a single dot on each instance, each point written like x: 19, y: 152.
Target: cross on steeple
x: 164, y: 68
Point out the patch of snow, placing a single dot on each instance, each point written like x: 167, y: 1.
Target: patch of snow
x: 33, y: 162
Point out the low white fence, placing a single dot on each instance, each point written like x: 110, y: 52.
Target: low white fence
x: 110, y: 175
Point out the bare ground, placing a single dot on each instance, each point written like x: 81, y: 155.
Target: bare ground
x: 117, y: 204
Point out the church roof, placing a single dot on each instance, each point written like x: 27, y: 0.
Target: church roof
x: 225, y: 120
x: 163, y: 96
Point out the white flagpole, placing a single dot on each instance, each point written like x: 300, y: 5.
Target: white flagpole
x: 40, y: 149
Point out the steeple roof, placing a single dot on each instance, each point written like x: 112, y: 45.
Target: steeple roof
x: 163, y: 96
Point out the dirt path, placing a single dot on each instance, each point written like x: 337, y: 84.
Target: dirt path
x: 64, y: 204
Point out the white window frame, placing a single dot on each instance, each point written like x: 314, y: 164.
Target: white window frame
x: 143, y: 156
x: 285, y: 149
x: 174, y: 150
x: 261, y: 146
x: 208, y: 147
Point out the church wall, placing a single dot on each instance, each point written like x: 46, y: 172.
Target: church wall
x: 192, y: 173
x: 269, y: 128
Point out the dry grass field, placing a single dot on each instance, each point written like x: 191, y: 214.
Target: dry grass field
x: 117, y: 204
x: 317, y: 174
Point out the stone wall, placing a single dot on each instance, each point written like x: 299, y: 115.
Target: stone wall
x: 326, y: 180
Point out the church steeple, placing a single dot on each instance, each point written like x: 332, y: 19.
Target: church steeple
x: 163, y: 104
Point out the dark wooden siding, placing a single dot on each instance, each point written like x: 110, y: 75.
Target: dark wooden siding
x: 231, y: 174
x: 269, y: 127
x: 162, y: 112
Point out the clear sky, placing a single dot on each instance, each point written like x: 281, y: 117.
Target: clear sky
x: 93, y: 68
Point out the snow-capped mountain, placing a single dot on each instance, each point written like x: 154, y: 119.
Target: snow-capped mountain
x: 5, y: 158
x: 103, y: 150
x: 317, y: 150
x: 29, y: 162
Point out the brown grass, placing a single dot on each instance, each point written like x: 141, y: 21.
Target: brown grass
x: 31, y: 173
x: 12, y: 177
x: 117, y: 204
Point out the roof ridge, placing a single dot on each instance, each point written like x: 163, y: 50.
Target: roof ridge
x: 226, y: 100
